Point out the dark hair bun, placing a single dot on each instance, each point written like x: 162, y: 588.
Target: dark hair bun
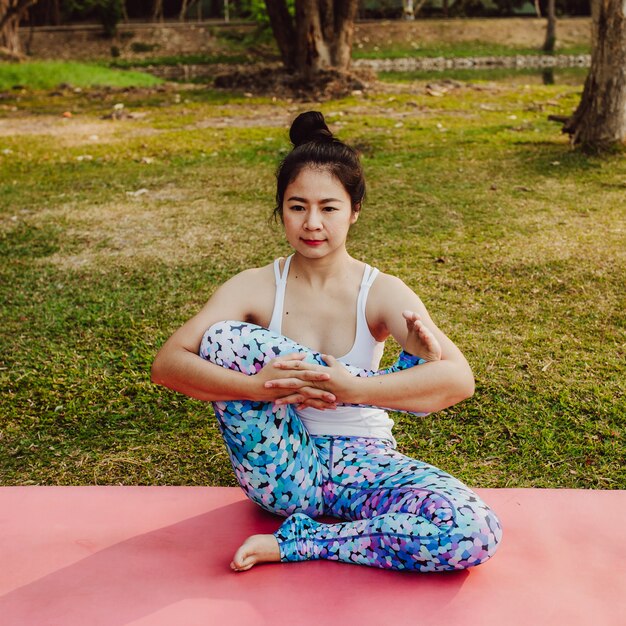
x: 309, y: 126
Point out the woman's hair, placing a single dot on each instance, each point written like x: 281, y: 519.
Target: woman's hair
x: 314, y: 145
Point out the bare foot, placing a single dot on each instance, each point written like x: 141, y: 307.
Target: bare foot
x: 420, y: 341
x: 255, y: 549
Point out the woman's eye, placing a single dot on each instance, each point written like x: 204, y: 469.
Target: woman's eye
x: 296, y: 207
x: 329, y: 208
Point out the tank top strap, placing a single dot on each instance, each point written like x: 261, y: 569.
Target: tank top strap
x: 277, y: 275
x: 275, y: 324
x: 369, y: 276
x: 365, y: 351
x: 281, y: 277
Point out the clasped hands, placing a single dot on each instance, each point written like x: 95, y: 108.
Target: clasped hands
x: 288, y: 379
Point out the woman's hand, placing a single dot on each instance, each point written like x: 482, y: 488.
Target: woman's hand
x: 288, y: 379
x: 420, y: 341
x: 333, y: 380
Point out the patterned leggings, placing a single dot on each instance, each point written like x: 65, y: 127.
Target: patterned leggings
x: 399, y: 513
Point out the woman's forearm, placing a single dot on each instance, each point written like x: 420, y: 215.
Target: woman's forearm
x: 427, y: 388
x: 187, y: 373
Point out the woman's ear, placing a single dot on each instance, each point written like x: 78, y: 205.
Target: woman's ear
x: 356, y: 211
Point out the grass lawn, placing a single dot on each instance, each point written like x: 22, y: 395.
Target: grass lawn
x: 113, y: 232
x: 49, y: 74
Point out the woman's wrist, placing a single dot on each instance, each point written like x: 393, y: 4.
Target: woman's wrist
x: 246, y: 387
x: 357, y: 393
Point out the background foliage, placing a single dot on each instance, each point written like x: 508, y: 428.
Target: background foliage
x: 111, y: 11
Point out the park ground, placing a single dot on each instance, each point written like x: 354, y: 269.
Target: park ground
x: 123, y: 207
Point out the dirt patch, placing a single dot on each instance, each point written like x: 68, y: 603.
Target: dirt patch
x: 167, y: 225
x: 87, y: 130
x: 275, y: 81
x: 76, y: 132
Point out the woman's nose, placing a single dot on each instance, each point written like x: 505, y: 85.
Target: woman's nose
x: 313, y: 221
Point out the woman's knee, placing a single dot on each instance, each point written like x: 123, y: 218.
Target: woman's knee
x: 223, y: 333
x: 243, y: 346
x: 280, y: 499
x: 233, y: 345
x: 215, y: 340
x: 482, y: 534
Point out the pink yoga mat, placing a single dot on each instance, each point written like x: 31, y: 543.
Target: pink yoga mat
x: 90, y: 556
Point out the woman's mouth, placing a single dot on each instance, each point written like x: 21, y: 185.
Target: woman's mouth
x: 313, y: 242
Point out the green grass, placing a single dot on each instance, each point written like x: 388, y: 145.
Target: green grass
x: 514, y: 242
x: 49, y: 74
x: 565, y: 75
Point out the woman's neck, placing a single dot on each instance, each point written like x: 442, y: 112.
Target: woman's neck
x: 318, y: 272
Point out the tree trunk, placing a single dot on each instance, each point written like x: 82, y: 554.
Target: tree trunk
x: 185, y: 9
x: 56, y: 13
x: 550, y: 42
x: 157, y: 11
x: 343, y: 35
x: 284, y: 31
x: 11, y: 12
x: 321, y: 37
x: 408, y: 12
x: 9, y: 39
x: 312, y: 49
x: 599, y: 122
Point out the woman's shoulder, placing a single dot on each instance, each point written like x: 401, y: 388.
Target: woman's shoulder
x: 251, y: 277
x: 389, y: 292
x: 247, y: 285
x: 384, y: 282
x: 248, y: 295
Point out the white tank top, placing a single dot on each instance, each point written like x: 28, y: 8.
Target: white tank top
x: 366, y: 352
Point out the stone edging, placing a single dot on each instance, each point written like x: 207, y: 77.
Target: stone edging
x: 440, y: 63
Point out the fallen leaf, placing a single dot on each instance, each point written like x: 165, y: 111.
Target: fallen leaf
x: 139, y: 192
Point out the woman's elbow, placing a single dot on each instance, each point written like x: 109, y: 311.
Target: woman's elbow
x: 158, y: 370
x: 467, y: 385
x: 463, y: 388
x: 470, y: 388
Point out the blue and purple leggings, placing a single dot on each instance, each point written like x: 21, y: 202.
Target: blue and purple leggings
x: 399, y: 513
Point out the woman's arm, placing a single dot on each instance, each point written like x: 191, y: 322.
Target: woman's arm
x: 179, y: 367
x: 427, y: 388
x: 177, y: 364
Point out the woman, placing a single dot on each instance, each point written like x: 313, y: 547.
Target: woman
x: 298, y: 419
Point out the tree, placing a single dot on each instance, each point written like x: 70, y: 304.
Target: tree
x: 157, y: 11
x: 410, y: 8
x: 599, y: 122
x: 317, y: 38
x: 108, y: 12
x: 550, y: 41
x: 11, y: 13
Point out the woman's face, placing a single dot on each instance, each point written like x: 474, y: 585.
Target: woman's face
x: 317, y: 213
